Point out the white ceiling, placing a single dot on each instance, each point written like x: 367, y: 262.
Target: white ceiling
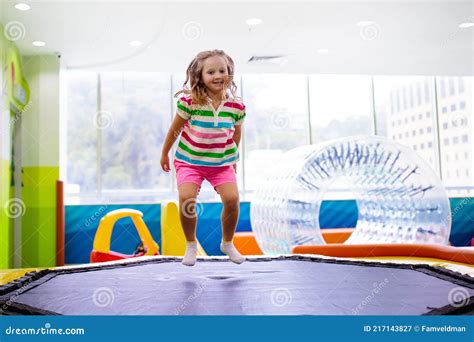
x: 407, y: 38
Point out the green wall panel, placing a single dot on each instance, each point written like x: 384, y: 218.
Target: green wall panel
x: 5, y: 225
x: 39, y: 220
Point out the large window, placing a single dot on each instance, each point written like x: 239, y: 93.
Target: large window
x: 412, y: 125
x: 456, y: 134
x: 117, y: 122
x: 116, y: 127
x: 82, y: 133
x: 138, y: 107
x: 277, y: 121
x: 340, y: 106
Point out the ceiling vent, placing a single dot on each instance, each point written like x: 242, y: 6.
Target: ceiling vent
x: 271, y: 59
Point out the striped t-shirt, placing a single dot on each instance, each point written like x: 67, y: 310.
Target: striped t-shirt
x: 206, y: 139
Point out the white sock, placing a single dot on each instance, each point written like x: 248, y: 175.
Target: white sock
x: 227, y: 247
x: 190, y: 255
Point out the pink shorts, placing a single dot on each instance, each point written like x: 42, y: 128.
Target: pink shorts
x: 216, y: 175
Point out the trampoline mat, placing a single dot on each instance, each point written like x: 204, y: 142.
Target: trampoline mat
x: 289, y: 285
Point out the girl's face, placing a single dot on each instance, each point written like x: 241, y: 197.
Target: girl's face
x: 214, y: 74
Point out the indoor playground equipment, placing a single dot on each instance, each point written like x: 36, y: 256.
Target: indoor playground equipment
x: 399, y: 198
x: 102, y: 252
x: 335, y: 282
x: 173, y: 241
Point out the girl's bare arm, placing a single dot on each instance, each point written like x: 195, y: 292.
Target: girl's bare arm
x: 237, y: 134
x: 171, y: 136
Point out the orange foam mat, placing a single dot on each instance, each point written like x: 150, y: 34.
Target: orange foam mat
x: 246, y: 243
x: 463, y: 255
x: 336, y: 235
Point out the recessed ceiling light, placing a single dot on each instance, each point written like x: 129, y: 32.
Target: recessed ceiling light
x: 466, y: 25
x: 38, y: 43
x: 253, y: 21
x: 365, y: 23
x: 22, y: 7
x: 322, y: 50
x: 135, y: 43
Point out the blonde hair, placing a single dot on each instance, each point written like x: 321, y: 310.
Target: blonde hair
x: 194, y: 85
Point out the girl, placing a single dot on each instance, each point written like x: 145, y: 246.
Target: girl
x: 209, y: 119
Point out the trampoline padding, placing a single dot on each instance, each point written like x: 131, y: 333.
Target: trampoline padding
x: 290, y: 285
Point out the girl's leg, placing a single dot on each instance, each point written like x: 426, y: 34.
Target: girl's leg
x: 187, y: 214
x: 230, y: 213
x: 187, y: 209
x: 230, y: 216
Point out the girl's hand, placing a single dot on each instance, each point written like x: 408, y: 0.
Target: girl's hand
x: 235, y: 167
x: 165, y: 163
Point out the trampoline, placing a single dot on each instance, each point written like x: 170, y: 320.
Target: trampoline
x: 282, y: 285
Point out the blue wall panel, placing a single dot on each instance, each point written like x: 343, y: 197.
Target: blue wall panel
x: 82, y: 222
